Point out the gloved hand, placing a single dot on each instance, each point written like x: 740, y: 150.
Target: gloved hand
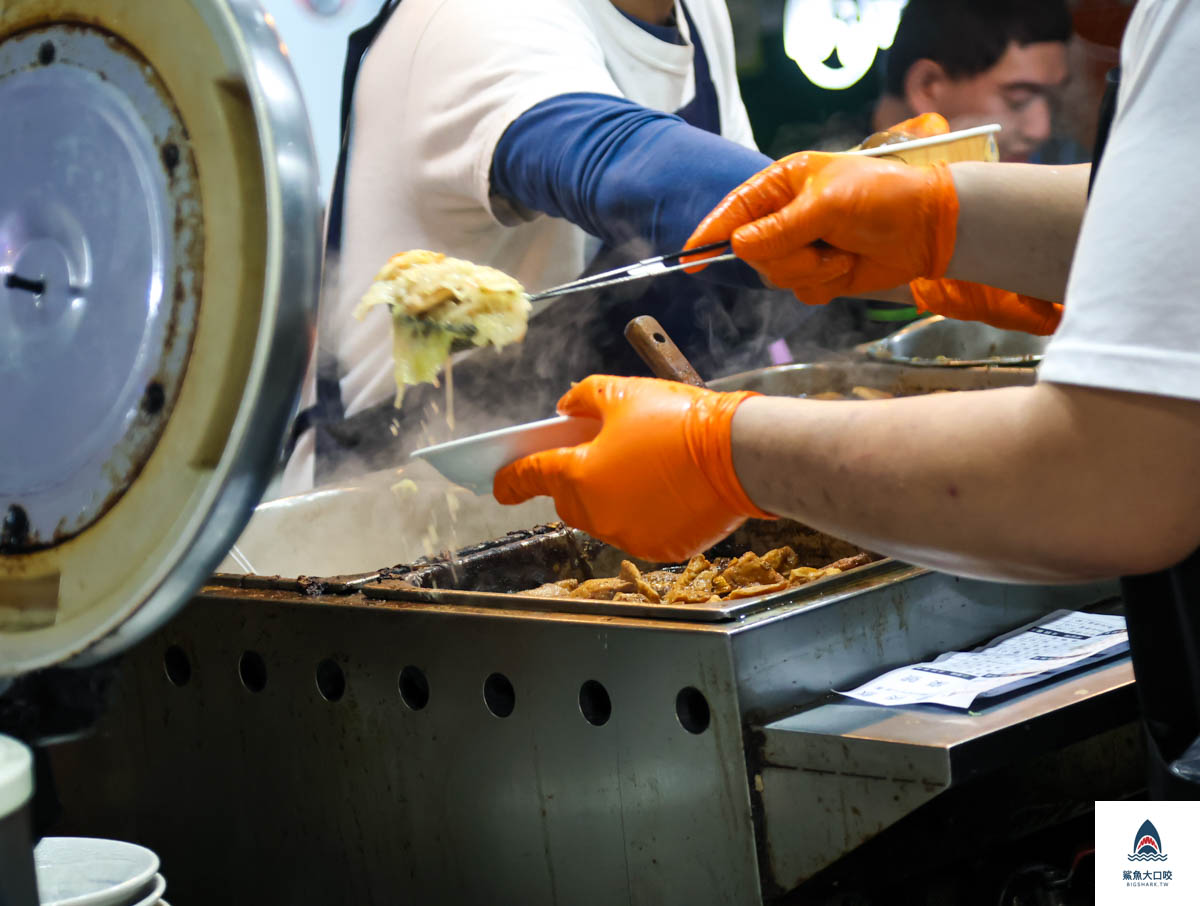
x: 880, y: 224
x: 658, y: 479
x: 921, y: 126
x: 976, y: 302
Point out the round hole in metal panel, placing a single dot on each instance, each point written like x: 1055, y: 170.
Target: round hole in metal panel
x: 414, y: 688
x: 499, y: 695
x: 594, y: 703
x: 691, y: 708
x: 177, y: 666
x: 252, y: 670
x: 331, y: 681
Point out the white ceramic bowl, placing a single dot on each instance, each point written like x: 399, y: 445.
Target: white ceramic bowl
x: 89, y: 871
x: 154, y: 897
x: 474, y: 461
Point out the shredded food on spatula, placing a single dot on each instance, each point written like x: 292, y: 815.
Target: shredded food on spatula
x: 435, y: 300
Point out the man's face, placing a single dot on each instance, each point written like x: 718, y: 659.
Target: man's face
x: 1018, y: 93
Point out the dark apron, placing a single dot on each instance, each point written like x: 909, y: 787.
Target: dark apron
x: 328, y: 412
x: 722, y: 330
x: 1162, y: 611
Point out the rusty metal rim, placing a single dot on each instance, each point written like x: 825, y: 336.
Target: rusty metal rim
x: 129, y: 573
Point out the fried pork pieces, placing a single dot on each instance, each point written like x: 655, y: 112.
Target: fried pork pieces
x: 702, y: 580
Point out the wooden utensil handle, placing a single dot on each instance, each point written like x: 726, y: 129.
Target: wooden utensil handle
x: 651, y: 342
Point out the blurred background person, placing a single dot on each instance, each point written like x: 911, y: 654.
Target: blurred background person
x: 986, y: 61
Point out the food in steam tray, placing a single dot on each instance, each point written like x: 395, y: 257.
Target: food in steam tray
x: 702, y: 580
x: 435, y: 300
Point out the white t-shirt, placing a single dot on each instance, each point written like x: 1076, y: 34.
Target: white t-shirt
x: 1132, y: 318
x: 437, y: 90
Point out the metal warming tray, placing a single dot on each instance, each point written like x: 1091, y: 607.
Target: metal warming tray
x: 490, y: 574
x: 383, y: 742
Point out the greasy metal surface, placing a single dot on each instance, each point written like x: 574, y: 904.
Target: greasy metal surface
x: 797, y: 662
x: 365, y: 799
x: 484, y: 575
x: 862, y: 768
x: 945, y: 342
x: 101, y: 248
x: 965, y: 843
x: 843, y: 376
x: 961, y: 735
x: 282, y: 797
x: 826, y: 590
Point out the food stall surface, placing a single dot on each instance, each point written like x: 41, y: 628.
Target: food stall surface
x: 411, y: 735
x: 303, y: 741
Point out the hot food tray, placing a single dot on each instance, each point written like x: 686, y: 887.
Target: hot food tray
x: 489, y: 574
x: 494, y: 573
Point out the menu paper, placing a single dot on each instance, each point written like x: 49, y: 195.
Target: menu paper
x: 1061, y: 641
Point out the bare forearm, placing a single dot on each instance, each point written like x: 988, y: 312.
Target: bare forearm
x: 1027, y: 484
x: 1017, y: 225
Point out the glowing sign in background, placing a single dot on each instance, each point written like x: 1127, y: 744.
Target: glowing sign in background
x: 856, y: 29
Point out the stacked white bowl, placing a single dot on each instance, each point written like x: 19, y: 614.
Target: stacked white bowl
x: 88, y: 871
x: 17, y: 882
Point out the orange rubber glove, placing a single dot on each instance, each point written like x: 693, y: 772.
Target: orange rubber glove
x: 921, y: 126
x: 976, y: 302
x: 657, y: 481
x: 880, y: 224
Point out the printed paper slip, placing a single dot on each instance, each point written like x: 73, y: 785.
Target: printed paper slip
x: 1059, y: 641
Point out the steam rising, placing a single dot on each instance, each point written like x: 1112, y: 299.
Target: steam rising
x: 721, y: 329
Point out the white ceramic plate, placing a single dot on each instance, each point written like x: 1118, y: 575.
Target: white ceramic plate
x: 88, y: 871
x: 474, y: 461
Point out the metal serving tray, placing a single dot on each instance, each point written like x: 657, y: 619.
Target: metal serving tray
x: 494, y: 573
x: 944, y: 342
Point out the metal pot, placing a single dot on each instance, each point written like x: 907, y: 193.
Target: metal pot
x: 945, y: 342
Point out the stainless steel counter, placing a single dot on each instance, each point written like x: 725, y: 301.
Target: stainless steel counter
x: 276, y: 747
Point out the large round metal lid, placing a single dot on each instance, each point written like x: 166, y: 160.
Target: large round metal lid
x: 159, y: 266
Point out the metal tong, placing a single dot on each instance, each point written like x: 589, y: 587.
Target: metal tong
x: 650, y: 267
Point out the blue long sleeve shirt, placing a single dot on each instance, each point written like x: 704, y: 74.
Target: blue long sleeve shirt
x: 623, y: 172
x: 640, y: 180
x: 618, y: 170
